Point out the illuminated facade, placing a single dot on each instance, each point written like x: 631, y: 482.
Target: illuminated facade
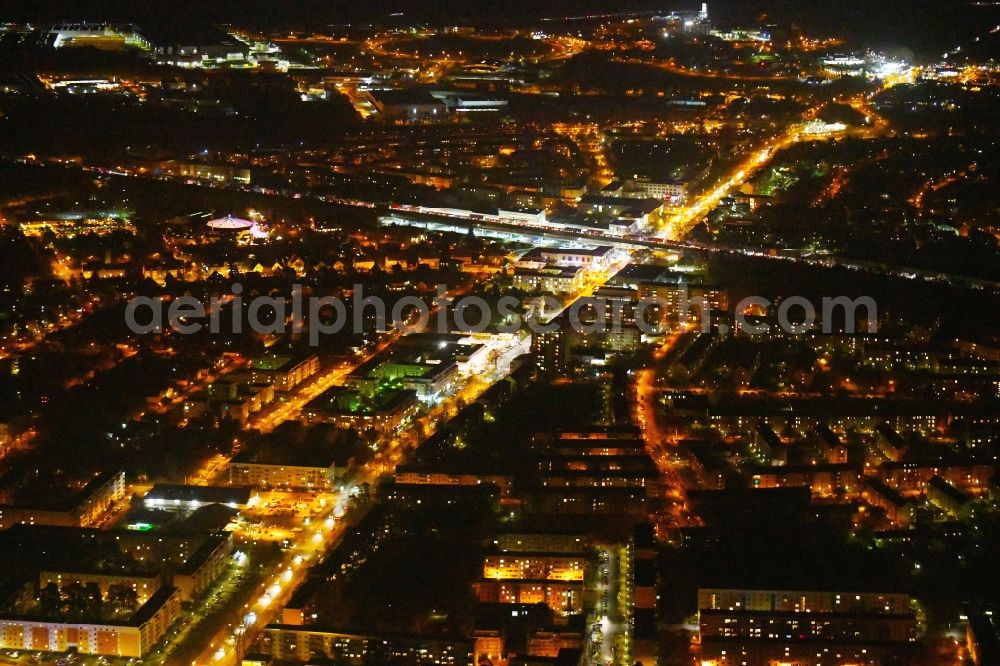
x: 415, y: 475
x: 82, y: 510
x: 200, y: 570
x: 913, y: 477
x: 264, y: 475
x: 133, y: 638
x: 284, y: 372
x: 823, y: 479
x: 543, y: 566
x: 308, y: 643
x: 551, y: 279
x: 769, y: 627
x: 560, y: 596
x: 346, y: 408
x: 144, y: 584
x: 803, y: 601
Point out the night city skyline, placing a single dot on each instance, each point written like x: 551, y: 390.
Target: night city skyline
x: 499, y: 334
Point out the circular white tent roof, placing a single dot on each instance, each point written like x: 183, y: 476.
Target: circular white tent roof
x: 230, y: 223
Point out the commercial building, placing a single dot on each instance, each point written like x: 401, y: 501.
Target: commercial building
x: 350, y: 409
x: 548, y: 279
x: 639, y: 211
x: 409, y: 104
x: 630, y: 221
x: 741, y: 35
x: 615, y: 216
x: 645, y: 188
x: 210, y: 55
x: 529, y: 216
x: 596, y: 258
x: 175, y: 496
x: 218, y: 174
x: 101, y: 36
x: 561, y: 270
x: 470, y: 354
x: 429, y: 370
x: 467, y: 102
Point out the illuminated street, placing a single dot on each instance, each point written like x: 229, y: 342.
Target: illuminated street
x: 447, y: 334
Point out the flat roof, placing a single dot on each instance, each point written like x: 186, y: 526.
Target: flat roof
x: 385, y: 402
x: 598, y: 251
x: 405, y: 97
x: 168, y: 492
x: 275, y: 362
x: 67, y: 502
x: 204, y: 551
x: 566, y: 272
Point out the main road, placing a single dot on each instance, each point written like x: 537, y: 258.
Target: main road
x: 326, y: 528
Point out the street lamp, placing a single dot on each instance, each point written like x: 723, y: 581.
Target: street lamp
x: 239, y: 635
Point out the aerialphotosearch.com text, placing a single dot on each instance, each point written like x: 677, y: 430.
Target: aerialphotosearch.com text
x: 319, y: 316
